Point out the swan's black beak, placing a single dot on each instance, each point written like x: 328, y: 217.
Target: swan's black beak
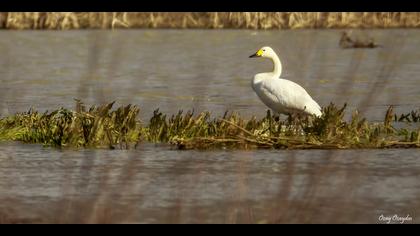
x: 253, y: 55
x: 259, y: 53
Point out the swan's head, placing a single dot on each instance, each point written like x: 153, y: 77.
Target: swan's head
x: 264, y: 52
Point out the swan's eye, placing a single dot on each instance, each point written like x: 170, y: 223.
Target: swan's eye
x: 263, y: 50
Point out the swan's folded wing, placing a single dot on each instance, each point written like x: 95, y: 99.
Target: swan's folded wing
x: 290, y: 95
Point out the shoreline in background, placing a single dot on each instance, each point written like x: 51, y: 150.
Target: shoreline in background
x: 208, y: 20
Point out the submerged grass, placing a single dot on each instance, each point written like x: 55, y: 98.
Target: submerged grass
x: 103, y: 127
x: 207, y: 20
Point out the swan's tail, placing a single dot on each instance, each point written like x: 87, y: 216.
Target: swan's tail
x: 313, y: 108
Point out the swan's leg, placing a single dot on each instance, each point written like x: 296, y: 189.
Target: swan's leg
x: 297, y: 122
x: 277, y: 116
x: 292, y: 121
x: 303, y: 118
x: 290, y: 118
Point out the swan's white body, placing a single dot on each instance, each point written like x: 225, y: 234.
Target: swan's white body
x: 280, y: 95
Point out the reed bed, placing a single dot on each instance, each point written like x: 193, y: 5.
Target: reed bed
x: 104, y: 127
x: 207, y: 20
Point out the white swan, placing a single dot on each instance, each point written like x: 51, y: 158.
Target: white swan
x: 280, y: 95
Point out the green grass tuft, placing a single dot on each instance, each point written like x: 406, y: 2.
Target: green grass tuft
x: 105, y: 127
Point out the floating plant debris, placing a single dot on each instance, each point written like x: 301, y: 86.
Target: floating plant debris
x: 413, y: 116
x: 347, y: 42
x: 104, y: 127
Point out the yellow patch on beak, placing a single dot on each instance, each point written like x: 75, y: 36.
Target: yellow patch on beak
x: 259, y: 53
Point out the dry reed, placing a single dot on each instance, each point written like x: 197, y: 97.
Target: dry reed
x: 207, y: 20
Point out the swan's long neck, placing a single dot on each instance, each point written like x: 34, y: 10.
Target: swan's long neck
x: 277, y: 66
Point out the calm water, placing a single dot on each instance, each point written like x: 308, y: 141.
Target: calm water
x: 205, y: 70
